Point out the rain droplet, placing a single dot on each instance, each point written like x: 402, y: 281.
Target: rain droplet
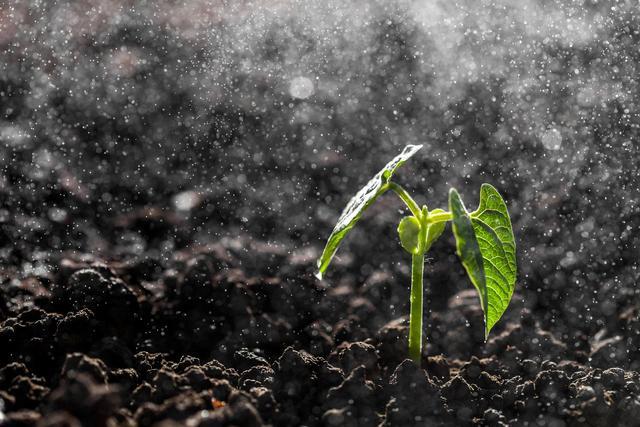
x: 551, y: 139
x: 301, y: 87
x: 186, y: 200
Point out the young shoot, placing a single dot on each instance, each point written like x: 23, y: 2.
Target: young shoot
x: 484, y: 243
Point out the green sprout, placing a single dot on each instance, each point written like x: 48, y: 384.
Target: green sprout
x: 484, y: 243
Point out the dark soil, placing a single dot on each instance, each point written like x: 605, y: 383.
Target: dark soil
x: 164, y: 196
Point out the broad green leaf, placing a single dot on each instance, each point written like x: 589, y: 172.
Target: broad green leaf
x: 359, y: 203
x: 434, y: 231
x: 468, y: 248
x: 409, y: 232
x: 486, y: 246
x: 492, y: 225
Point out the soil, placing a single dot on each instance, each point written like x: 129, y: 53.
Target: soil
x: 157, y: 249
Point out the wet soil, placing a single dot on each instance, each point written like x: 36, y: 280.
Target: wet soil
x: 201, y: 342
x: 163, y: 200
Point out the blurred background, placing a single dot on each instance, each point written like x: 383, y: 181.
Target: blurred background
x: 255, y: 122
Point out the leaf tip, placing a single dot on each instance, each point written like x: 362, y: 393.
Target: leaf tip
x: 487, y: 186
x: 322, y: 267
x: 455, y: 201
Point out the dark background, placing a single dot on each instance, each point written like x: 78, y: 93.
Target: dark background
x: 132, y: 131
x: 106, y: 110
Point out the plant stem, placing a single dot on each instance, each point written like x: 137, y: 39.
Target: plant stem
x: 440, y: 217
x: 415, y: 317
x: 406, y: 198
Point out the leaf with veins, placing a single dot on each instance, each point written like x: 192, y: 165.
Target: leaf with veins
x: 359, y: 203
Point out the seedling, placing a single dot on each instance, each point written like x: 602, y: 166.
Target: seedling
x: 484, y: 243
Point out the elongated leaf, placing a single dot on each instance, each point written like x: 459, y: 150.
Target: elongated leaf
x: 486, y: 247
x: 494, y: 233
x: 468, y: 248
x: 359, y: 203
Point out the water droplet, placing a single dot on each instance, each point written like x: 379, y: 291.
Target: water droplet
x: 301, y: 87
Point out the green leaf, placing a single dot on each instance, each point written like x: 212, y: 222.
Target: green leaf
x: 409, y: 232
x: 434, y: 230
x: 467, y: 247
x: 359, y: 203
x: 494, y: 233
x: 486, y: 246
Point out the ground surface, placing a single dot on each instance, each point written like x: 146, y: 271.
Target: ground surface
x: 169, y: 174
